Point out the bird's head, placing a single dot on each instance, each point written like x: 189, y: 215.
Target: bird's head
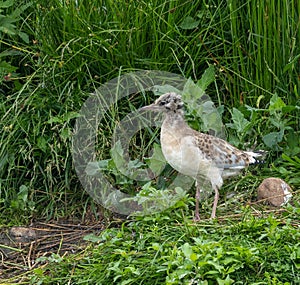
x: 168, y: 103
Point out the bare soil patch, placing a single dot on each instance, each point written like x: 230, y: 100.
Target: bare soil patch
x: 20, y: 247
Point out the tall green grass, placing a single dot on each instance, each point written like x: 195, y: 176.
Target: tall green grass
x: 111, y: 34
x: 265, y: 54
x: 74, y: 46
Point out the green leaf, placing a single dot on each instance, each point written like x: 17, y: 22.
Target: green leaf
x: 56, y: 119
x: 294, y: 161
x: 207, y: 77
x: 291, y: 64
x: 65, y: 133
x: 200, y: 104
x: 17, y: 12
x: 8, y: 29
x: 117, y: 153
x: 10, y: 52
x: 157, y: 161
x: 162, y: 89
x: 156, y: 246
x: 135, y: 164
x: 94, y: 167
x: 189, y: 23
x: 6, y: 4
x: 6, y: 67
x: 23, y: 193
x: 188, y: 251
x: 276, y: 104
x: 24, y: 37
x: 42, y: 144
x: 240, y: 124
x: 227, y: 281
x: 70, y: 115
x: 272, y: 139
x: 192, y: 91
x: 64, y: 119
x: 92, y: 238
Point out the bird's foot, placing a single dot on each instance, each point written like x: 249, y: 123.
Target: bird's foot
x: 196, y: 217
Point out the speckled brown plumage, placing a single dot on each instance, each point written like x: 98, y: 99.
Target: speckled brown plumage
x: 198, y: 155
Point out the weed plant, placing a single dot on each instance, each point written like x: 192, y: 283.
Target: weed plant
x: 167, y: 249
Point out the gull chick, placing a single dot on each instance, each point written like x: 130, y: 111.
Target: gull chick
x: 200, y: 156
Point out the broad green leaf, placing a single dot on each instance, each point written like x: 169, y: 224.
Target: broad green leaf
x: 276, y: 104
x: 92, y: 238
x: 7, y: 28
x: 189, y: 23
x: 187, y: 250
x: 295, y: 180
x: 211, y: 118
x: 6, y: 67
x: 18, y: 11
x: 191, y: 91
x: 129, y: 281
x: 162, y: 89
x: 216, y: 265
x: 272, y: 139
x: 24, y: 37
x: 226, y: 281
x: 70, y: 115
x: 240, y: 124
x: 94, y: 167
x: 117, y: 154
x: 6, y: 4
x: 10, y: 52
x: 128, y: 169
x: 207, y: 78
x: 157, y: 161
x: 23, y: 193
x: 56, y: 119
x: 135, y: 164
x: 156, y: 246
x: 42, y: 144
x: 200, y: 103
x: 65, y: 133
x: 65, y: 118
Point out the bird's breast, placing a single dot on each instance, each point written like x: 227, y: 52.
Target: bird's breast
x: 184, y: 156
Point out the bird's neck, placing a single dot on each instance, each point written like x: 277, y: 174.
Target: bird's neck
x: 174, y: 121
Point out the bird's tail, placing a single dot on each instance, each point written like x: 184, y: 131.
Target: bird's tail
x: 257, y: 157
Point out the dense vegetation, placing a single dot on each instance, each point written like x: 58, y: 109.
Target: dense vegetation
x: 53, y: 54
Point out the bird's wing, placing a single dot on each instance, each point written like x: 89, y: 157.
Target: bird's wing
x: 223, y: 154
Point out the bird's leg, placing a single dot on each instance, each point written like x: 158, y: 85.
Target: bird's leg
x: 197, y: 198
x: 214, y: 209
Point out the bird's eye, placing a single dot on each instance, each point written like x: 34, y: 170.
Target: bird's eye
x: 162, y: 103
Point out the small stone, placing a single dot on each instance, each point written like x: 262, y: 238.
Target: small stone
x: 275, y: 191
x: 22, y: 234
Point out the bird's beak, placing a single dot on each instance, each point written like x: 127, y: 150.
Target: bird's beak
x: 151, y: 107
